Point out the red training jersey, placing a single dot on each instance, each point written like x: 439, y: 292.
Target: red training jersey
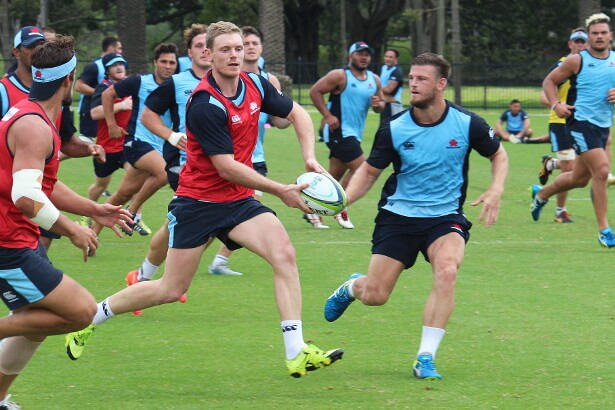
x: 199, y: 179
x: 16, y: 229
x: 112, y: 145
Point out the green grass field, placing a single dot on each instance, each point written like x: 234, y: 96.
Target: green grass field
x: 534, y: 325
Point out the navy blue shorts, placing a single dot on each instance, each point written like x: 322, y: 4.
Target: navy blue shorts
x: 48, y: 234
x: 26, y: 276
x: 402, y: 238
x: 560, y: 138
x: 586, y: 136
x: 115, y: 161
x: 194, y: 222
x: 135, y: 149
x: 260, y: 167
x: 345, y: 149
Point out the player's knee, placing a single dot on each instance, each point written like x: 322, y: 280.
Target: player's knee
x: 82, y: 316
x: 375, y: 296
x: 284, y: 255
x: 446, y: 277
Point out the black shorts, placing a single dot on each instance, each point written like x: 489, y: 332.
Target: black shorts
x: 135, y: 149
x: 402, y: 238
x: 26, y: 276
x: 115, y: 161
x: 560, y: 138
x: 172, y: 158
x: 586, y: 136
x: 260, y: 167
x: 48, y: 234
x: 87, y: 126
x: 345, y: 149
x: 194, y: 222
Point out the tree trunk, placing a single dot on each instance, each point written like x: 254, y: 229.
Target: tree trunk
x: 131, y: 31
x: 7, y: 30
x: 271, y: 15
x: 586, y: 9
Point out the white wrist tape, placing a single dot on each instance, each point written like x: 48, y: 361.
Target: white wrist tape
x: 28, y: 183
x: 175, y: 137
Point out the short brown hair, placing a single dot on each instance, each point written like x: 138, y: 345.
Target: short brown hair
x: 435, y: 60
x: 219, y: 28
x: 166, y: 48
x: 53, y: 53
x: 249, y: 30
x: 191, y: 32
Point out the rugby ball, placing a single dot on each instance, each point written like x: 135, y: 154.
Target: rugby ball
x: 325, y: 196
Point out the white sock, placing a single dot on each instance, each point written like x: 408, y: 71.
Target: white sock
x: 138, y: 216
x: 219, y: 260
x: 292, y: 330
x: 558, y: 210
x: 430, y: 340
x: 147, y: 270
x: 103, y: 312
x: 351, y: 288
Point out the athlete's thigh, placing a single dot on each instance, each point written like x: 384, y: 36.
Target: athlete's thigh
x: 446, y: 249
x: 68, y: 298
x: 264, y: 235
x: 181, y: 266
x: 152, y: 163
x: 133, y: 180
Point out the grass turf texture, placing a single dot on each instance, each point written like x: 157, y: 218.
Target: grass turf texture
x: 533, y: 325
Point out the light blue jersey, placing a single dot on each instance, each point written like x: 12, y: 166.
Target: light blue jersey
x: 141, y: 133
x: 351, y: 106
x: 596, y: 76
x: 392, y: 73
x: 184, y: 83
x: 184, y: 63
x: 259, y: 151
x: 430, y: 161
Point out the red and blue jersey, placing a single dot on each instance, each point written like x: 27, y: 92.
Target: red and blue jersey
x: 216, y: 124
x: 17, y: 230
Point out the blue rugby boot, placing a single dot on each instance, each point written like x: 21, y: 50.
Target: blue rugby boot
x: 339, y: 301
x: 607, y: 238
x: 425, y: 368
x: 537, y: 203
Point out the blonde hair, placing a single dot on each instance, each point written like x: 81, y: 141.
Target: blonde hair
x: 219, y: 28
x: 596, y: 19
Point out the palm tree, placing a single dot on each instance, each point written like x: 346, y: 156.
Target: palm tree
x: 131, y: 31
x: 271, y: 15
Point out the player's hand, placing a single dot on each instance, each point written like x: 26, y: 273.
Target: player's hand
x: 291, y: 196
x: 126, y: 104
x: 563, y: 110
x: 115, y: 131
x: 98, y: 153
x: 375, y: 101
x: 111, y: 215
x: 491, y: 207
x: 85, y: 239
x: 178, y: 139
x: 313, y: 165
x: 332, y: 121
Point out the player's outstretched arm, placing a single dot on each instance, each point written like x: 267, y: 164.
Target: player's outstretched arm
x: 361, y: 182
x: 491, y: 199
x: 304, y: 128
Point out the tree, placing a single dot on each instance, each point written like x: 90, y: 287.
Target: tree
x: 368, y: 20
x: 271, y: 15
x: 131, y: 31
x: 302, y: 20
x: 586, y: 9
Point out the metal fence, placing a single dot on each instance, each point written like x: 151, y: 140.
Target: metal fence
x: 484, y: 86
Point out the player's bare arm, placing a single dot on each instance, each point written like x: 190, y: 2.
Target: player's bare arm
x: 491, y: 199
x: 564, y: 71
x: 333, y: 82
x: 361, y: 182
